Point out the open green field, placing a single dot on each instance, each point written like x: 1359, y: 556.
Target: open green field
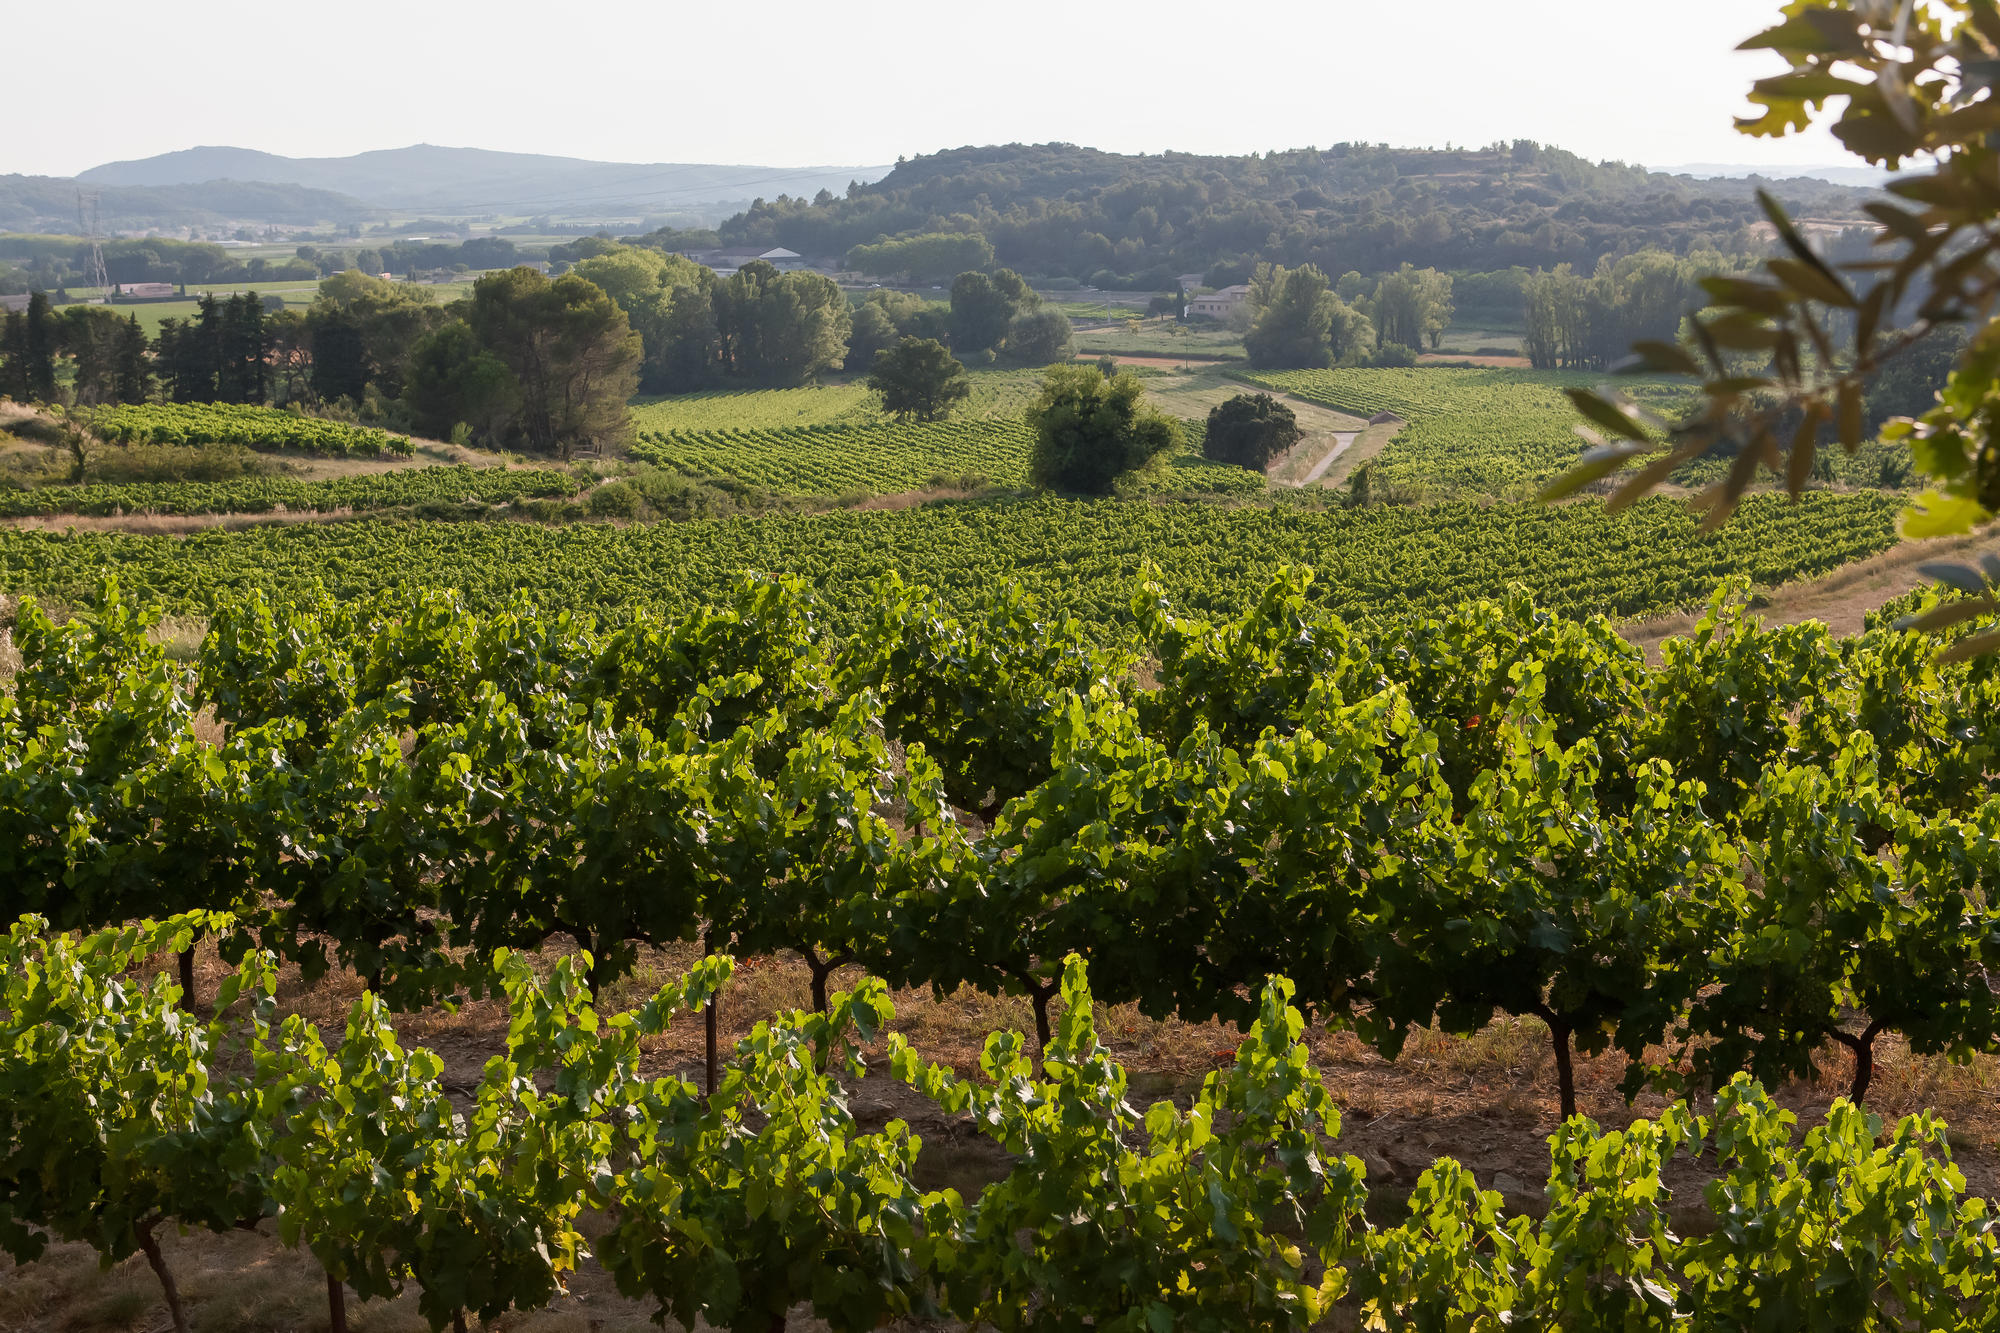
x: 995, y: 394
x: 1162, y: 338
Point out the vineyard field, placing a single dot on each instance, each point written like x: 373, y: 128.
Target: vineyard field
x: 1083, y: 557
x: 254, y: 427
x: 1482, y: 432
x: 995, y: 394
x: 888, y: 457
x: 263, y: 495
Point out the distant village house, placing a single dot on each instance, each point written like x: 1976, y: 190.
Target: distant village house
x: 1219, y: 305
x: 726, y: 262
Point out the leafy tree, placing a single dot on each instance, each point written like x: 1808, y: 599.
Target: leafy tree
x: 918, y: 379
x: 1590, y: 323
x: 570, y: 350
x: 1090, y: 431
x: 389, y: 316
x: 289, y: 356
x: 453, y: 381
x: 780, y: 328
x: 806, y: 323
x: 241, y: 373
x: 690, y: 350
x: 1413, y: 306
x: 1040, y: 338
x: 1250, y: 430
x: 981, y: 308
x: 932, y: 257
x: 873, y: 333
x: 644, y: 283
x: 1296, y: 318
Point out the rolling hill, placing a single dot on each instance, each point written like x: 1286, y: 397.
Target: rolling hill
x: 425, y: 177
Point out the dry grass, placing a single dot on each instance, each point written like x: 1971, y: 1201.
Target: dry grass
x: 1840, y: 600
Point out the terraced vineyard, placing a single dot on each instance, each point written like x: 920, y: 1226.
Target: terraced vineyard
x: 1503, y: 433
x: 1086, y: 558
x: 263, y: 495
x: 232, y: 423
x: 995, y: 394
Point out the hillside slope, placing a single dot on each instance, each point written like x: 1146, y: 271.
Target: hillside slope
x: 1061, y: 209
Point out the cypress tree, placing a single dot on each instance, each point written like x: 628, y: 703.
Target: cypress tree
x: 14, y: 357
x: 133, y: 378
x: 40, y: 350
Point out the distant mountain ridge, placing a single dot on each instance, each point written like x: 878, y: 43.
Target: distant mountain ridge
x: 49, y: 204
x: 477, y: 180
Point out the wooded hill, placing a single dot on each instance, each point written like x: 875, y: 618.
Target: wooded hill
x: 1141, y: 221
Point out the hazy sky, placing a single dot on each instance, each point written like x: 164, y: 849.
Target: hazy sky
x: 787, y: 83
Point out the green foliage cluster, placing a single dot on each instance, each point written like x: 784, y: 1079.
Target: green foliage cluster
x: 757, y: 326
x: 1714, y: 893
x: 919, y: 380
x: 1420, y: 821
x: 1090, y: 431
x: 528, y: 362
x: 234, y: 423
x: 1250, y: 430
x: 1081, y: 557
x: 736, y: 1207
x: 932, y: 258
x: 1578, y: 321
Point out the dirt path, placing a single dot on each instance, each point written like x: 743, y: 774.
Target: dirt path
x: 1343, y: 441
x: 1840, y: 600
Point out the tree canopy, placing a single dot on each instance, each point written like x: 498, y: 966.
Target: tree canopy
x: 919, y: 380
x: 1090, y: 431
x: 1250, y: 430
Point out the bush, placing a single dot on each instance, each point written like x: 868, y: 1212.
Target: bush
x: 1250, y: 430
x: 1039, y: 338
x: 1393, y: 356
x: 919, y: 380
x: 1090, y: 431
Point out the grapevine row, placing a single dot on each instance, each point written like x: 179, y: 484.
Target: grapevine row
x: 233, y: 423
x: 735, y: 1207
x: 1425, y: 823
x: 263, y: 495
x: 890, y: 457
x: 1083, y: 559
